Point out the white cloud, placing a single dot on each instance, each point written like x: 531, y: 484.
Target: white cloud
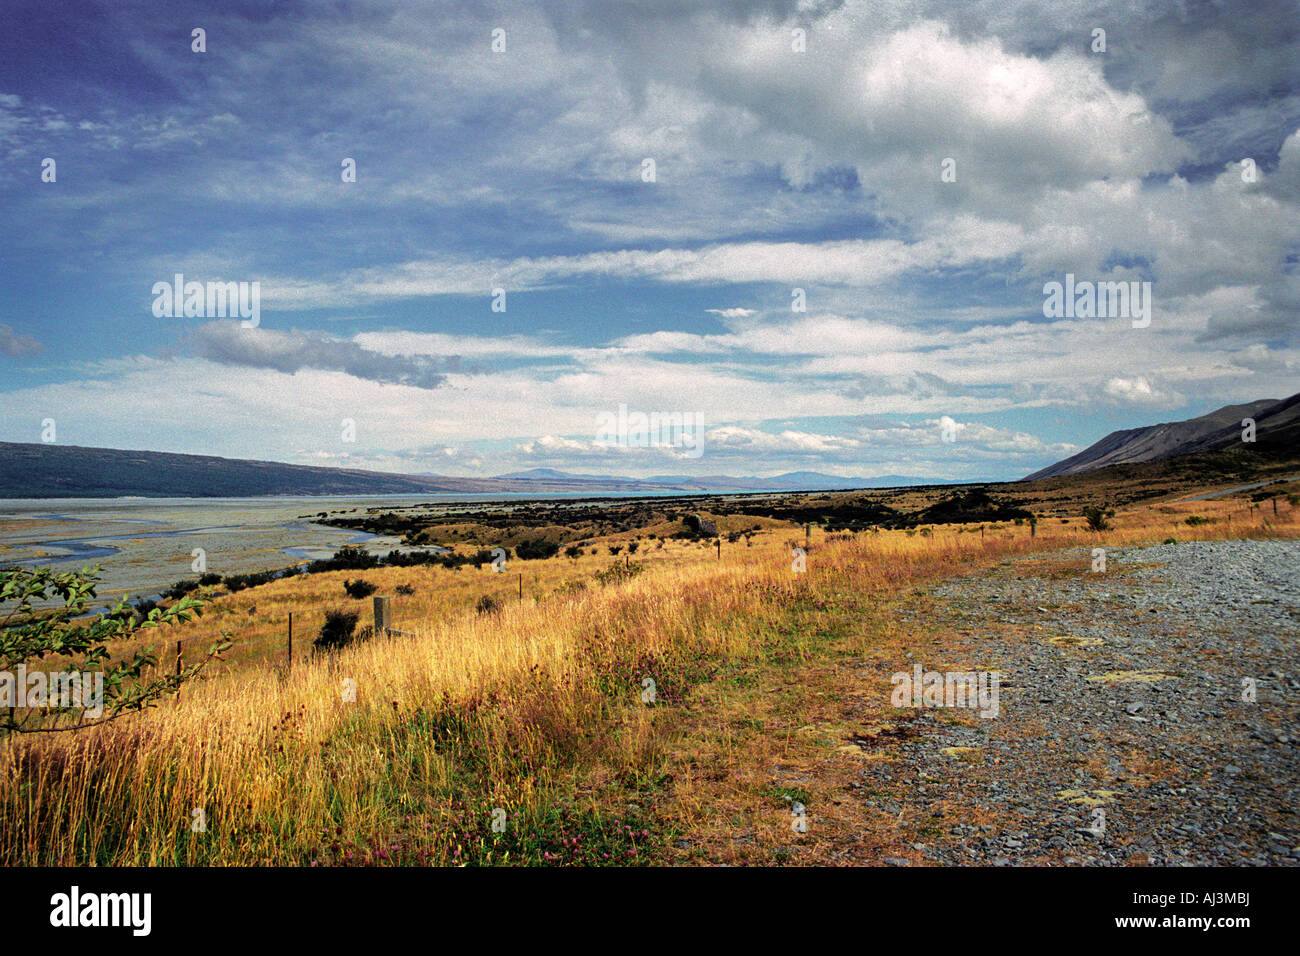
x: 850, y: 262
x: 895, y: 103
x: 1139, y: 391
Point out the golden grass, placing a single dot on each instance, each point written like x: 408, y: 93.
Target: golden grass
x: 536, y: 710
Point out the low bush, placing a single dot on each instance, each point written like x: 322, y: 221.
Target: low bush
x: 533, y: 550
x: 617, y: 573
x: 337, y: 631
x: 359, y: 589
x: 180, y: 589
x: 1096, y: 518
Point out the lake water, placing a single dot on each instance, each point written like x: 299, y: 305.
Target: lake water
x: 146, y: 544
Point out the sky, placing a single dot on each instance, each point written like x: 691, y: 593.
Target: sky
x: 822, y: 229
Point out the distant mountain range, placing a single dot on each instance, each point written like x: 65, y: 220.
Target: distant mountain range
x: 789, y: 481
x: 1277, y: 430
x: 30, y: 470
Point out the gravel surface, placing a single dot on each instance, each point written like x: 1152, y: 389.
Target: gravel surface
x: 1123, y: 733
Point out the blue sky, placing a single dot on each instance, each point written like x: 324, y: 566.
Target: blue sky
x: 522, y: 170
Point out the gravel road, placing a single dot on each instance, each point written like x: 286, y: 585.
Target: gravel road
x: 1127, y: 730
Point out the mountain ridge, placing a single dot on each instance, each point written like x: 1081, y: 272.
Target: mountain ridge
x: 34, y: 470
x: 1277, y: 422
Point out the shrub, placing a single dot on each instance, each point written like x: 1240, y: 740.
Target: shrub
x: 615, y: 548
x: 337, y: 631
x: 533, y: 550
x: 405, y: 589
x: 181, y: 588
x: 487, y: 604
x: 406, y: 559
x: 617, y: 573
x: 209, y: 580
x: 632, y: 546
x: 1096, y: 518
x: 238, y: 582
x: 1194, y: 520
x: 359, y: 588
x: 573, y: 551
x: 347, y: 558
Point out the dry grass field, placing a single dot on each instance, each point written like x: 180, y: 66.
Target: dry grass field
x: 537, y: 717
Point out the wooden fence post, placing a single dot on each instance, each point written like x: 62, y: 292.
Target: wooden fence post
x: 383, y: 620
x: 179, y: 663
x: 521, y: 586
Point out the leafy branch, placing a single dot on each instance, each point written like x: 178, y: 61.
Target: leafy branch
x: 29, y: 633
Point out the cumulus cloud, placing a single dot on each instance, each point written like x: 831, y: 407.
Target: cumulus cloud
x: 557, y: 445
x: 738, y: 438
x: 229, y: 343
x: 896, y: 103
x: 1284, y: 180
x: 1260, y: 358
x: 1269, y: 310
x: 859, y: 450
x: 1139, y: 391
